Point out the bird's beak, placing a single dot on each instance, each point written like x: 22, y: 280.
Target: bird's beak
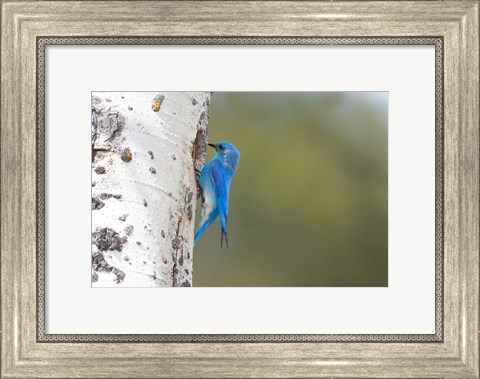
x: 212, y: 145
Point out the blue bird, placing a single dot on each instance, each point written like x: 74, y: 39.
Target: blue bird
x: 215, y: 181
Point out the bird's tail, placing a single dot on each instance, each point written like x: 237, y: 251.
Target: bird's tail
x: 223, y: 224
x: 204, y: 225
x: 224, y: 233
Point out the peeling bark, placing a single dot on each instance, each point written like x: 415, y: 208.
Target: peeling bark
x: 147, y: 152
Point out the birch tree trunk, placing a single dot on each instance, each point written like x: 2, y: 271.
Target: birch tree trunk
x: 146, y: 150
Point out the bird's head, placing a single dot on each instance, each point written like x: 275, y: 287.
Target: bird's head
x: 226, y: 152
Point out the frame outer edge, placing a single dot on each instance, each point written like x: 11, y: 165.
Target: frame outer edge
x: 10, y: 187
x: 469, y: 182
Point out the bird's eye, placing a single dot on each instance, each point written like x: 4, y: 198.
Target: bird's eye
x: 221, y: 147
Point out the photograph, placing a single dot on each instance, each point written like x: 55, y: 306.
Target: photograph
x: 239, y: 189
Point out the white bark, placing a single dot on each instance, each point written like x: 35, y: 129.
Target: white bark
x: 146, y: 147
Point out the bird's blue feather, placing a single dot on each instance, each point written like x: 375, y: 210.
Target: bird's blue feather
x: 222, y: 187
x: 211, y: 218
x: 215, y: 180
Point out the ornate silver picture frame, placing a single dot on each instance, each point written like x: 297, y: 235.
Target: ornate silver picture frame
x: 451, y: 27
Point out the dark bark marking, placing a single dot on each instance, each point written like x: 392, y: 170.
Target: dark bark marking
x: 120, y: 275
x: 180, y: 260
x: 97, y: 203
x: 106, y: 125
x: 100, y: 264
x: 100, y: 170
x: 199, y: 150
x: 176, y: 245
x: 189, y: 211
x: 116, y: 123
x: 176, y: 242
x: 108, y: 239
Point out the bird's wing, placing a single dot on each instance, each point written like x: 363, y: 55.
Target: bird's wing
x: 221, y: 188
x: 221, y: 194
x: 209, y: 200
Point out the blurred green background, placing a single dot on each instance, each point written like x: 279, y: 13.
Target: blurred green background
x: 308, y: 204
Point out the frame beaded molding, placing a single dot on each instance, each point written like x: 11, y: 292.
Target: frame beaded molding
x: 42, y: 42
